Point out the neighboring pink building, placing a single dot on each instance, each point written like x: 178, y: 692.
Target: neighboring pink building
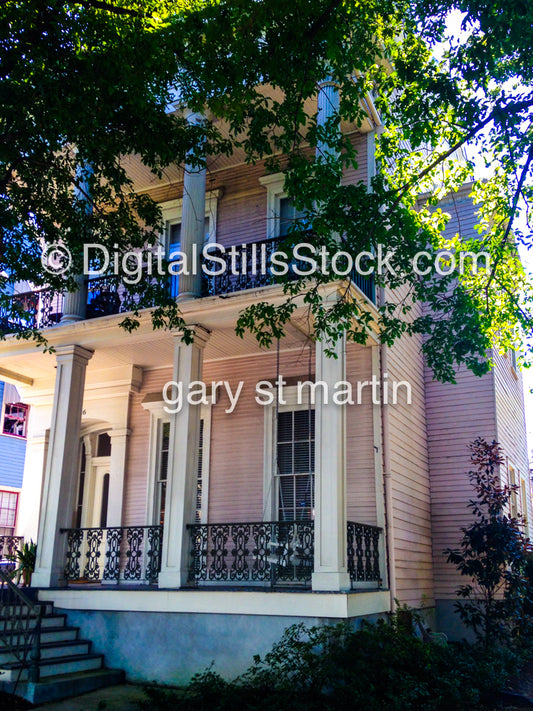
x: 175, y: 539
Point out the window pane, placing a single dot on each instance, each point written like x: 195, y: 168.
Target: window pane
x: 8, y: 508
x: 302, y: 455
x: 285, y: 427
x: 285, y: 458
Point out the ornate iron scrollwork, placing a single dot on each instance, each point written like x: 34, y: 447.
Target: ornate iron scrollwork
x: 112, y: 554
x: 153, y: 566
x: 262, y: 535
x: 94, y: 541
x: 72, y: 565
x: 219, y: 535
x: 133, y: 568
x: 240, y: 534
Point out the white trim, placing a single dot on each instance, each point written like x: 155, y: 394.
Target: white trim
x: 205, y: 415
x: 158, y: 417
x: 291, y: 404
x: 172, y: 209
x: 275, y: 193
x: 235, y: 602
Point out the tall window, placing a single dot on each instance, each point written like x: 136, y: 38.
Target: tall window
x: 174, y: 240
x: 514, y: 494
x: 288, y: 216
x: 296, y: 465
x: 15, y: 419
x: 8, y: 512
x: 81, y: 486
x: 161, y: 480
x: 199, y: 475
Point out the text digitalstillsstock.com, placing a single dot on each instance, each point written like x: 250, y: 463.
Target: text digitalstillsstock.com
x: 276, y: 392
x: 302, y: 260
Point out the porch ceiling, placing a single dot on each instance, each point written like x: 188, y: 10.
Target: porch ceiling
x: 24, y: 364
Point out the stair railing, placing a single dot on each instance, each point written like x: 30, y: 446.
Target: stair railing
x: 18, y: 634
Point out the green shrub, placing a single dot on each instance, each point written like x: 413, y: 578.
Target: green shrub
x: 337, y: 669
x: 493, y: 555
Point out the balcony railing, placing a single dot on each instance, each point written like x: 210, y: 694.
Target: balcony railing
x: 271, y: 552
x: 263, y: 554
x: 363, y: 553
x: 9, y: 545
x: 274, y: 553
x: 113, y: 555
x: 248, y: 268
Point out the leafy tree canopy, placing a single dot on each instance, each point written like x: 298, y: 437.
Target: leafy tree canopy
x: 86, y: 83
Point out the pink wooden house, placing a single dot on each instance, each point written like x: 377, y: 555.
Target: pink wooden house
x: 172, y: 539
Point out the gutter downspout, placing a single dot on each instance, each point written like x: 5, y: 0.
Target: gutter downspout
x: 387, y: 478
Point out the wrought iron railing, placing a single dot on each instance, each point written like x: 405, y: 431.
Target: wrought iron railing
x: 9, y: 545
x: 114, y: 554
x: 20, y: 626
x: 248, y: 267
x: 273, y: 552
x: 37, y: 309
x: 363, y: 553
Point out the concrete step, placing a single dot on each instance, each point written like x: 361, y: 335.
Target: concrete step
x: 55, y: 666
x: 46, y: 622
x: 48, y: 635
x: 61, y: 687
x: 48, y: 609
x: 52, y: 650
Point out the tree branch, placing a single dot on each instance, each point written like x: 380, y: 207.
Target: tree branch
x: 110, y: 7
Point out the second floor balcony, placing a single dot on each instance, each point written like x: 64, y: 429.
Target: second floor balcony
x: 247, y: 268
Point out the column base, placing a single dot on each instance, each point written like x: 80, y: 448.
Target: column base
x: 173, y: 579
x: 71, y: 318
x: 334, y: 581
x: 46, y: 578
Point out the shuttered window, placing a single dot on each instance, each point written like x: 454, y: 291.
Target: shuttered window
x: 161, y: 483
x: 296, y: 465
x: 199, y: 475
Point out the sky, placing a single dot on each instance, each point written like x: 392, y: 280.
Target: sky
x: 454, y: 32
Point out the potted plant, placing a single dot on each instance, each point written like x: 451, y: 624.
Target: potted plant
x: 25, y: 557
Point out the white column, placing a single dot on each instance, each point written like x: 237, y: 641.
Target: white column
x: 117, y: 467
x: 328, y: 106
x: 330, y: 571
x: 75, y: 302
x: 182, y: 465
x: 192, y: 226
x: 60, y: 480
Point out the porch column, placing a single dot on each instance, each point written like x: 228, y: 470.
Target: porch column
x: 330, y: 571
x: 182, y: 464
x: 75, y: 302
x: 117, y: 467
x: 192, y: 226
x: 60, y: 477
x: 328, y: 106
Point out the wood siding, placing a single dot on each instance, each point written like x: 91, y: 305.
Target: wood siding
x: 511, y: 429
x: 237, y: 438
x: 410, y: 474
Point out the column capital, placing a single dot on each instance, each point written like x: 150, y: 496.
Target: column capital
x: 119, y: 432
x: 200, y: 337
x: 328, y: 81
x: 73, y: 351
